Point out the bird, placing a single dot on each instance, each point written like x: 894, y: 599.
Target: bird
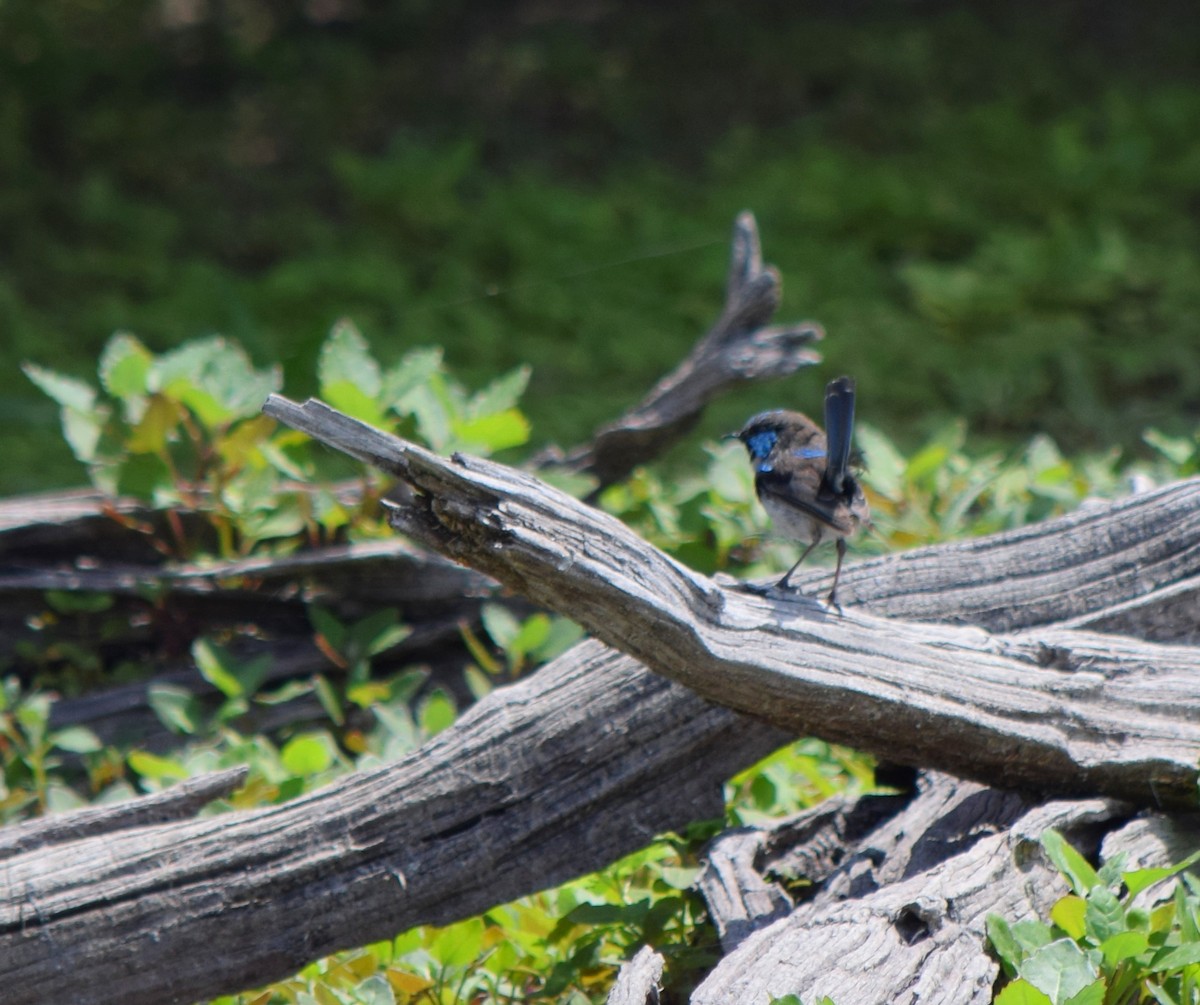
x: 802, y: 475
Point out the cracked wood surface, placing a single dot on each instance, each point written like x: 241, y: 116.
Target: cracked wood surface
x: 1066, y: 711
x: 563, y: 772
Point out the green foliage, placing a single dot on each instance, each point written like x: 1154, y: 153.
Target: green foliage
x: 1102, y: 947
x: 185, y: 428
x: 992, y: 215
x: 537, y: 639
x: 32, y: 754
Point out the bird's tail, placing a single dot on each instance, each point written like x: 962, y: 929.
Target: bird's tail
x: 839, y: 430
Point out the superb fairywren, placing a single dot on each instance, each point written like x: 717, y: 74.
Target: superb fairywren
x: 802, y: 475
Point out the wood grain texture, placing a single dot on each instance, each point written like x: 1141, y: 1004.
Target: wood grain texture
x: 589, y: 758
x: 1061, y: 710
x: 555, y: 776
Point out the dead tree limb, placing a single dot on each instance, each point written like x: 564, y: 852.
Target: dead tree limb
x: 1058, y: 711
x: 552, y: 777
x: 741, y: 347
x: 902, y: 918
x: 543, y: 781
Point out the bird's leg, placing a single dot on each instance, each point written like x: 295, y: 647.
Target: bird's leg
x: 782, y: 584
x: 841, y: 553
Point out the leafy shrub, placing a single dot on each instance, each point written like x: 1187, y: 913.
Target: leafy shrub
x: 1103, y: 947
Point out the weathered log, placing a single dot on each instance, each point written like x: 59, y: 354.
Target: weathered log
x: 1056, y: 710
x: 903, y: 918
x: 176, y: 803
x: 552, y: 777
x: 525, y: 791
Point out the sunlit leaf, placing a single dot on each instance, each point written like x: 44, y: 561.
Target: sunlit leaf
x: 501, y: 395
x: 176, y: 707
x: 77, y: 740
x: 67, y: 391
x: 125, y: 366
x: 308, y: 754
x: 437, y: 712
x: 153, y: 766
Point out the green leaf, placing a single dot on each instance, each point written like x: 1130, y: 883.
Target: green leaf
x: 212, y: 666
x: 458, y: 945
x: 1060, y: 970
x: 1093, y: 994
x: 1124, y: 946
x: 1068, y: 915
x: 334, y: 632
x: 375, y: 990
x: 349, y: 376
x: 413, y: 371
x: 125, y: 366
x: 478, y: 683
x: 500, y: 624
x: 76, y: 740
x: 346, y: 357
x: 501, y: 395
x: 308, y: 754
x: 490, y: 433
x: 83, y: 430
x: 146, y: 476
x: 1139, y: 879
x: 437, y: 712
x: 233, y: 677
x: 158, y: 768
x: 67, y: 391
x: 563, y: 634
x: 215, y: 379
x: 534, y: 632
x: 1078, y: 872
x: 328, y: 697
x: 176, y: 708
x: 1174, y: 958
x: 1177, y: 449
x: 884, y: 464
x: 1104, y: 916
x: 152, y: 431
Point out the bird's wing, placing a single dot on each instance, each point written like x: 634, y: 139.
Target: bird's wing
x: 800, y: 491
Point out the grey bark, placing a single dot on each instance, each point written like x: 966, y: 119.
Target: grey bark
x: 1057, y: 709
x: 639, y: 980
x: 590, y: 757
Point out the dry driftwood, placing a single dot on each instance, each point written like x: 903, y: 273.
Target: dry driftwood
x: 554, y: 776
x: 639, y: 980
x: 1054, y: 709
x: 525, y: 791
x: 82, y: 541
x: 902, y: 920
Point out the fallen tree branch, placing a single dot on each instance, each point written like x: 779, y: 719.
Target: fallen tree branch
x: 176, y: 803
x: 554, y: 776
x: 493, y: 808
x: 902, y: 919
x: 739, y: 348
x: 1056, y: 711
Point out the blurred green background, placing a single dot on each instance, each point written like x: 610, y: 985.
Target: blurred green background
x: 993, y: 209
